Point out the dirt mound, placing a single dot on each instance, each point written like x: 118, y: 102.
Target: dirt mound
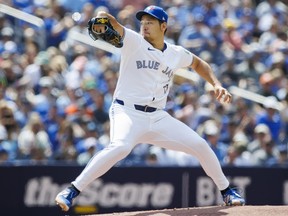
x: 211, y: 211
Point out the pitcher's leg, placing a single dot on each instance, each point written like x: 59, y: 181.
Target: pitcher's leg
x: 101, y: 163
x: 172, y: 134
x: 123, y: 140
x: 97, y: 166
x: 125, y: 127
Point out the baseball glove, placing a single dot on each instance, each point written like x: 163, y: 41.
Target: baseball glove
x: 109, y: 35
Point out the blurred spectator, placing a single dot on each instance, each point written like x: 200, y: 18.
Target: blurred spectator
x: 75, y: 76
x: 24, y: 107
x: 237, y: 154
x: 57, y: 23
x: 33, y: 141
x: 217, y: 55
x: 233, y: 43
x: 207, y: 10
x: 262, y: 135
x: 38, y: 68
x: 229, y: 72
x: 7, y: 34
x: 246, y: 13
x: 126, y: 16
x: 8, y: 149
x: 59, y: 67
x: 156, y: 156
x: 282, y: 159
x: 7, y: 118
x: 90, y: 145
x: 76, y: 6
x: 271, y: 117
x: 138, y: 5
x: 267, y: 37
x: 203, y: 111
x: 196, y: 37
x: 244, y: 117
x: 10, y: 74
x: 44, y: 100
x: 237, y: 157
x: 276, y: 62
x: 95, y: 103
x: 187, y: 100
x: 211, y: 134
x: 90, y: 130
x: 52, y: 125
x: 266, y: 155
x: 151, y: 159
x: 68, y: 135
x: 228, y: 130
x: 279, y: 44
x: 266, y: 84
x: 255, y: 66
x: 267, y: 11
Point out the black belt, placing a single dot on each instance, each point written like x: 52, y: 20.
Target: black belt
x: 138, y: 107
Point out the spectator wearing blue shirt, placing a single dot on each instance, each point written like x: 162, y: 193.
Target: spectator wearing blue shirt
x: 272, y: 118
x: 197, y: 36
x: 211, y: 133
x: 207, y: 10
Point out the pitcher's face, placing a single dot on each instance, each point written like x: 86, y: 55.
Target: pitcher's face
x: 151, y: 28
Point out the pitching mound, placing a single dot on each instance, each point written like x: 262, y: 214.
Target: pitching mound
x: 214, y: 210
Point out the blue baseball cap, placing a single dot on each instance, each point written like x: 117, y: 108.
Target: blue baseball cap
x: 153, y: 11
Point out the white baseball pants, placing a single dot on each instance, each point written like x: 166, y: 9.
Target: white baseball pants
x: 130, y: 127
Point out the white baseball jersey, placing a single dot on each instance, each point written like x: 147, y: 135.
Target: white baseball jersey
x: 146, y: 73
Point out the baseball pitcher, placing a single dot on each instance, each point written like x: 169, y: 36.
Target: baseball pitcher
x: 137, y: 113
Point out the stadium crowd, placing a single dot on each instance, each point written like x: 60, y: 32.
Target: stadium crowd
x: 55, y: 92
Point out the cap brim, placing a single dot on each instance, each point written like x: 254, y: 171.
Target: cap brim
x: 139, y: 15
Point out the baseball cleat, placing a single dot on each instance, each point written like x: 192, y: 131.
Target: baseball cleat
x: 65, y: 198
x: 232, y: 198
